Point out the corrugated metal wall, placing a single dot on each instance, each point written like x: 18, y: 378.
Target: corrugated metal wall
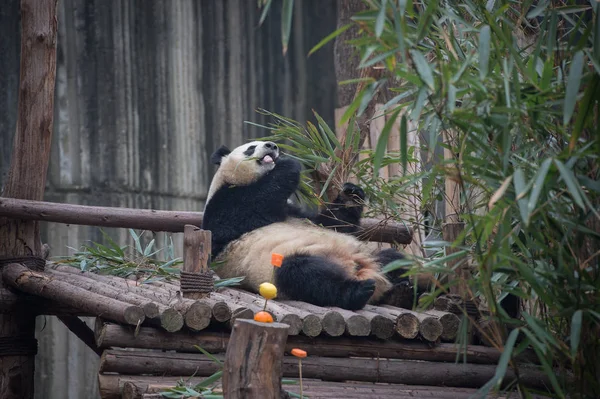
x: 145, y: 91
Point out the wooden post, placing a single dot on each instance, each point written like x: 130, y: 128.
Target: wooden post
x: 453, y: 227
x: 253, y: 360
x: 196, y: 280
x: 27, y: 180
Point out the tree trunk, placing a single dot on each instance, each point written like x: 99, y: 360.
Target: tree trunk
x: 27, y: 180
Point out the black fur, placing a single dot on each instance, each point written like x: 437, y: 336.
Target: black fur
x: 329, y: 284
x: 250, y: 151
x: 264, y: 203
x: 216, y: 157
x: 339, y: 215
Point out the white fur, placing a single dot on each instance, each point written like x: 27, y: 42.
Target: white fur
x: 238, y: 169
x: 250, y: 256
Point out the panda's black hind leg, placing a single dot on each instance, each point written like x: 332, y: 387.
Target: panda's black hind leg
x: 316, y: 280
x: 402, y: 292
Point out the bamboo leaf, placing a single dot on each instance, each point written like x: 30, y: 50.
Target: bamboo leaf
x: 573, y: 83
x: 265, y: 11
x: 538, y: 184
x: 538, y: 10
x: 500, y: 192
x: 287, y: 11
x: 383, y: 140
x: 506, y: 355
x: 521, y: 191
x: 329, y: 38
x: 380, y: 21
x: 571, y: 182
x: 576, y: 322
x: 484, y: 51
x: 423, y: 68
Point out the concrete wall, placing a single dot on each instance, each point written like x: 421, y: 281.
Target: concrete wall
x: 145, y: 91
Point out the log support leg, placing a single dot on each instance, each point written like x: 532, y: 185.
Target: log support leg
x: 196, y: 278
x: 253, y: 360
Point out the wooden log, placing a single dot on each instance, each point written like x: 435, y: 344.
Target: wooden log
x: 406, y: 324
x: 252, y: 367
x: 382, y: 327
x: 11, y: 302
x: 197, y: 315
x: 356, y: 325
x: 325, y: 368
x: 174, y: 221
x: 20, y: 277
x: 221, y: 311
x: 109, y: 335
x: 151, y: 309
x: 27, y: 179
x: 158, y: 314
x: 196, y: 253
x: 148, y: 385
x: 430, y: 327
x: 449, y: 321
x: 174, y: 310
x: 332, y: 321
x: 282, y: 313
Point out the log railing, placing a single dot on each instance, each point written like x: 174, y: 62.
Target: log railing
x: 381, y: 230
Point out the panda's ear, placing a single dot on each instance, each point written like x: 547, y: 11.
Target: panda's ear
x: 219, y: 154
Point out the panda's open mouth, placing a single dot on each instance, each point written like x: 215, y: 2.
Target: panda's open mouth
x: 270, y: 157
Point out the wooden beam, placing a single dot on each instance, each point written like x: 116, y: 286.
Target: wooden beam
x: 467, y: 375
x: 27, y: 179
x: 371, y: 229
x: 110, y: 335
x: 137, y: 387
x: 82, y: 331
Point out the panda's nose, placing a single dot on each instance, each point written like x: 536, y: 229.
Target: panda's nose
x: 270, y: 145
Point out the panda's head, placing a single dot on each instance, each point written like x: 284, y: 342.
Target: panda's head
x: 244, y: 165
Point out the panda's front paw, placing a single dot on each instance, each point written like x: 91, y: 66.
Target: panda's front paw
x: 288, y: 163
x: 353, y: 193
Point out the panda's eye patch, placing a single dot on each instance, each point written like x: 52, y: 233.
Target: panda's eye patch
x: 250, y: 150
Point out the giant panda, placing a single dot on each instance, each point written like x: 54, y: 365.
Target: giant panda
x: 250, y: 217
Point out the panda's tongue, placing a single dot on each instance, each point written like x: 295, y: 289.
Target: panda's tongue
x: 267, y: 159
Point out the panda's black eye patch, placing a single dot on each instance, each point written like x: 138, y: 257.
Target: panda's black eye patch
x: 250, y: 150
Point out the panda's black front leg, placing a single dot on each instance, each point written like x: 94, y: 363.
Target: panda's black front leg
x: 344, y: 213
x: 273, y: 190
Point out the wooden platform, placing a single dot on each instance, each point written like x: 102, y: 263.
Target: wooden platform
x: 148, y: 334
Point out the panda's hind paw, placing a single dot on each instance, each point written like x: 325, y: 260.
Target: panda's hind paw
x: 359, y: 294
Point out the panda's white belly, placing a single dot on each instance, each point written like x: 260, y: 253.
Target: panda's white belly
x: 250, y: 256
